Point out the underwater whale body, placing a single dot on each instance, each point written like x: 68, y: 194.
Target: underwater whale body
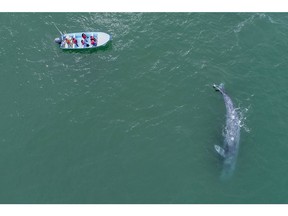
x: 229, y: 150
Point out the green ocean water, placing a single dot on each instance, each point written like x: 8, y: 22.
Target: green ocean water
x: 136, y: 121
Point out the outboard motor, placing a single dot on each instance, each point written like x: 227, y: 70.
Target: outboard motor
x: 58, y: 40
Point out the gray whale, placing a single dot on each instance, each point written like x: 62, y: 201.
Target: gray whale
x: 230, y: 148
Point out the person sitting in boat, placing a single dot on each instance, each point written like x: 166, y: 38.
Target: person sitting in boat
x: 84, y: 44
x: 63, y: 42
x: 75, y: 41
x: 84, y: 36
x: 93, y: 41
x: 68, y: 41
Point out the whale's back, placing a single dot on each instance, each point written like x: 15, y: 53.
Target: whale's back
x: 232, y: 134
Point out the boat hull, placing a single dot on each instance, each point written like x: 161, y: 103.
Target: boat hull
x: 75, y: 41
